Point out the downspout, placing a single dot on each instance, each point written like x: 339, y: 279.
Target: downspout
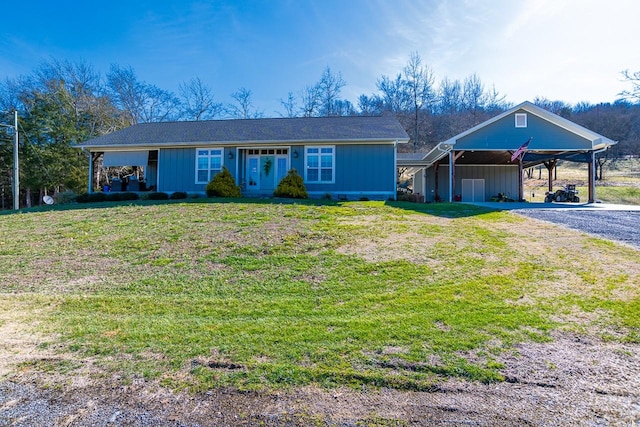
x: 395, y: 170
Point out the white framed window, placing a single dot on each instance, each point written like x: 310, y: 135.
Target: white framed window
x: 208, y: 164
x: 521, y: 120
x: 320, y: 164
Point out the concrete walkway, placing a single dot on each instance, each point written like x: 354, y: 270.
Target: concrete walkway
x: 556, y: 206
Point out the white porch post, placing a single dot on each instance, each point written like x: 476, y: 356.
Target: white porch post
x: 452, y: 162
x: 90, y: 183
x: 395, y: 170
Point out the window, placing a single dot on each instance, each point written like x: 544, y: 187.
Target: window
x: 320, y: 164
x: 208, y: 164
x: 521, y: 120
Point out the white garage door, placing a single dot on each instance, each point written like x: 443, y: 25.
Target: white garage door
x: 473, y: 190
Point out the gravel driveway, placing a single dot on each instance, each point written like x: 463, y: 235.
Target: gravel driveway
x: 618, y: 225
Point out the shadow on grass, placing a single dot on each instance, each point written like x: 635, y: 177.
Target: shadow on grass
x: 446, y: 210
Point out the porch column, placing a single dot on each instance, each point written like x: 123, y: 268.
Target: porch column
x: 592, y: 178
x: 90, y: 184
x: 452, y: 174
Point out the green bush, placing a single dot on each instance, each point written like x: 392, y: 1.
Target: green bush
x: 291, y: 186
x: 223, y: 185
x: 64, y: 197
x: 157, y: 196
x: 178, y: 195
x: 118, y: 197
x: 91, y: 197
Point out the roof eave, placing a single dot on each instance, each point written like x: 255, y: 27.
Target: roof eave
x: 132, y: 146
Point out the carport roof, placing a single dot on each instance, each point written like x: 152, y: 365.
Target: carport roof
x: 598, y: 141
x: 502, y: 156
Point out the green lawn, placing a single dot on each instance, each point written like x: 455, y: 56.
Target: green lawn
x: 255, y: 294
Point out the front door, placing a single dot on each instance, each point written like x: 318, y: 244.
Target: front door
x: 267, y: 173
x: 253, y: 173
x: 265, y: 168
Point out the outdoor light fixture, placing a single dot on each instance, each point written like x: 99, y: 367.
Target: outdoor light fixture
x: 295, y: 154
x: 230, y: 155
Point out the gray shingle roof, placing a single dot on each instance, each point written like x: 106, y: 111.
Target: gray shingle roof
x: 302, y: 129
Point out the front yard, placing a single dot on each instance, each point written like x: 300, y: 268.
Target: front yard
x: 276, y: 298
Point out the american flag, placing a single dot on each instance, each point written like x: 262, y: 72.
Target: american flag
x: 521, y: 150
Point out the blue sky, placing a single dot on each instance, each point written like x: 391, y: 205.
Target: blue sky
x: 570, y: 50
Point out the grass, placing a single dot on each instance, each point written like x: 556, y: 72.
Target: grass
x: 620, y: 183
x: 202, y: 294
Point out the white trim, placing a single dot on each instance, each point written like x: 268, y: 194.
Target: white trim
x: 158, y: 173
x: 395, y: 170
x: 350, y: 193
x: 245, y: 144
x: 319, y: 154
x: 209, y: 157
x: 520, y: 120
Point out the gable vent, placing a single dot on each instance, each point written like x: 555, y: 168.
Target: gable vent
x: 521, y: 120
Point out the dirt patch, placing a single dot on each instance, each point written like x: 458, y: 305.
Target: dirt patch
x: 574, y: 380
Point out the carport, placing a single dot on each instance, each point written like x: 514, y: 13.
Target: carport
x: 489, y: 158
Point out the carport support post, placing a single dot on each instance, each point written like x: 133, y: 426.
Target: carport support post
x: 592, y: 178
x: 520, y: 180
x: 550, y: 165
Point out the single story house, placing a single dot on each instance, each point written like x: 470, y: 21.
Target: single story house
x: 489, y: 158
x: 345, y: 157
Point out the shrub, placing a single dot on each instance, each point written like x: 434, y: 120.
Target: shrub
x: 118, y: 197
x: 178, y: 195
x: 157, y: 196
x: 291, y: 186
x: 91, y: 197
x: 409, y: 197
x: 65, y: 197
x: 129, y: 196
x: 223, y: 185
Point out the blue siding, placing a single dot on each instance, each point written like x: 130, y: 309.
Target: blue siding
x: 360, y: 170
x: 366, y: 169
x: 178, y: 169
x: 503, y: 135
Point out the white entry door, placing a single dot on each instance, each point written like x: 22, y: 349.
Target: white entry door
x: 253, y: 173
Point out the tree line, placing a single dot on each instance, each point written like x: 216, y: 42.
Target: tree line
x: 62, y: 103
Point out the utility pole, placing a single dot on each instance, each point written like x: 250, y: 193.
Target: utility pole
x: 16, y: 168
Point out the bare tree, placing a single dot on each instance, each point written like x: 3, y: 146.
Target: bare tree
x: 310, y: 101
x: 419, y: 85
x: 244, y: 108
x: 633, y: 94
x: 197, y: 100
x: 329, y: 88
x: 143, y: 102
x: 450, y: 96
x: 394, y: 93
x: 370, y: 105
x: 289, y: 105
